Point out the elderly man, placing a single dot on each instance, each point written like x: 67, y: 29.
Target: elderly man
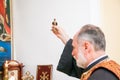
x: 88, y: 50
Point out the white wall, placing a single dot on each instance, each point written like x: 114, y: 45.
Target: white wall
x: 34, y: 43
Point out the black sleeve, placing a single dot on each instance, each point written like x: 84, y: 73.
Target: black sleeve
x: 103, y: 74
x: 67, y: 63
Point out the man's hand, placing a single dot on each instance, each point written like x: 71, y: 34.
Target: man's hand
x: 60, y: 33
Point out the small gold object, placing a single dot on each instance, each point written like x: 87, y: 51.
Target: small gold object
x: 54, y: 23
x: 28, y: 76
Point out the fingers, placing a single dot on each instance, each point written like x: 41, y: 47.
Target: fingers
x: 55, y: 29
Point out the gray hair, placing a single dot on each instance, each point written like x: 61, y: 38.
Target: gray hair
x: 94, y: 35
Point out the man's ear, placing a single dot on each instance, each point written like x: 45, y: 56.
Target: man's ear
x: 87, y: 50
x: 87, y: 46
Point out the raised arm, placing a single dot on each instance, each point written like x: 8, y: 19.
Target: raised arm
x: 60, y: 33
x: 67, y: 63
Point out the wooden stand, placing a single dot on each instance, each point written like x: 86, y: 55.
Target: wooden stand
x: 12, y: 66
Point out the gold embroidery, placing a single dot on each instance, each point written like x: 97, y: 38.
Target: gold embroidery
x: 108, y: 64
x: 44, y: 76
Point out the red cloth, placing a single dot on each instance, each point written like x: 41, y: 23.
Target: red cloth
x: 44, y: 72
